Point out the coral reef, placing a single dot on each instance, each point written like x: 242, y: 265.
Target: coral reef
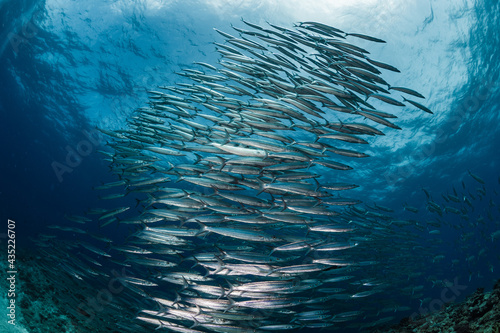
x: 38, y: 304
x: 479, y: 313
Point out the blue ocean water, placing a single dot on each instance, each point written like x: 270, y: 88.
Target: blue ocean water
x: 69, y: 67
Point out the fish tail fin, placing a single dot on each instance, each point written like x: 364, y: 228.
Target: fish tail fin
x: 181, y: 257
x: 150, y: 200
x: 231, y: 304
x: 231, y: 289
x: 196, y: 262
x: 195, y: 321
x: 318, y: 186
x: 220, y: 250
x: 284, y: 204
x: 311, y: 162
x: 137, y: 202
x: 220, y: 265
x: 178, y: 298
x: 185, y: 284
x: 198, y: 158
x: 179, y: 177
x: 261, y: 186
x: 203, y: 228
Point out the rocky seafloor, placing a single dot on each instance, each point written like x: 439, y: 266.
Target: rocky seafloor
x: 39, y: 309
x: 479, y: 313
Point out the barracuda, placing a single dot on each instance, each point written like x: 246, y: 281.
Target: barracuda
x: 243, y: 240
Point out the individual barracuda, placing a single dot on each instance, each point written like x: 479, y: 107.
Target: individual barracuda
x: 168, y: 214
x: 112, y: 196
x: 264, y: 286
x: 349, y: 314
x: 210, y: 183
x: 344, y: 137
x: 299, y: 269
x: 338, y: 186
x: 365, y: 293
x: 336, y: 246
x: 77, y: 219
x: 151, y: 262
x: 131, y: 249
x: 97, y: 211
x: 114, y: 212
x: 338, y: 279
x: 418, y: 105
x: 313, y: 210
x: 262, y: 144
x: 363, y: 129
x: 377, y: 119
x: 255, y: 258
x: 139, y: 282
x: 173, y: 231
x: 331, y: 228
x: 239, y: 269
x: 287, y: 166
x: 242, y: 169
x: 245, y: 234
x: 162, y: 238
x: 477, y: 178
x: 382, y: 65
x: 179, y: 202
x: 149, y: 181
x: 94, y: 249
x: 407, y: 91
x: 285, y: 217
x: 182, y: 277
x: 295, y: 188
x: 165, y: 151
x: 370, y: 38
x: 271, y: 303
x: 246, y: 200
x: 297, y: 246
x: 495, y: 235
x: 334, y: 165
x: 387, y: 99
x: 240, y: 151
x: 206, y: 65
x: 279, y: 327
x: 70, y: 229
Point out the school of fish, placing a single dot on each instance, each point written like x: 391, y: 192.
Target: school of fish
x: 239, y: 172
